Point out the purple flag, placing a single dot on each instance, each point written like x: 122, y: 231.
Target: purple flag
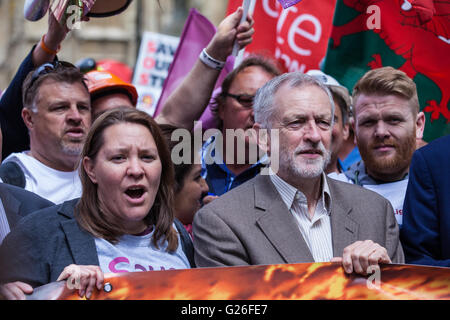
x: 197, y: 33
x: 287, y: 3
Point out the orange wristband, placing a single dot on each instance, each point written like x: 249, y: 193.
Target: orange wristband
x: 46, y: 49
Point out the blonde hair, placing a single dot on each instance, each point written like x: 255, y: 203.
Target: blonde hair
x: 388, y: 81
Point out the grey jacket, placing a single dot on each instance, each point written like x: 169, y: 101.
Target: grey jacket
x: 251, y: 225
x: 47, y: 241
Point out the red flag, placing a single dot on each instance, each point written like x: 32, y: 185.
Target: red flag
x: 297, y: 36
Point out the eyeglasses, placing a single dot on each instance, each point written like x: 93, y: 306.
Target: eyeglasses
x: 245, y: 100
x: 47, y: 68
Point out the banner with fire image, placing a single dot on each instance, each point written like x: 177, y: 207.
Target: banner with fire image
x: 303, y: 281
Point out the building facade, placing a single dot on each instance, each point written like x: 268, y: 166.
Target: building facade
x: 115, y: 37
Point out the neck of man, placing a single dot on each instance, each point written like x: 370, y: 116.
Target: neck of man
x: 310, y: 187
x: 333, y: 166
x: 388, y: 177
x: 66, y: 164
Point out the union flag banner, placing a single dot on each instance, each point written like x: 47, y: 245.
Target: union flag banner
x: 297, y: 37
x: 410, y: 35
x: 299, y: 281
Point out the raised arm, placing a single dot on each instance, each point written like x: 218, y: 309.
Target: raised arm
x: 15, y: 133
x: 194, y: 93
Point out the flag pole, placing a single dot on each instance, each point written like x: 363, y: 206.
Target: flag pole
x: 249, y: 7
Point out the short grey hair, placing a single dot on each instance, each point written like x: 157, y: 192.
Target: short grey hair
x: 264, y: 103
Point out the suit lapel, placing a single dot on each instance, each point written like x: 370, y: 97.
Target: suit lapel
x: 278, y: 224
x: 81, y: 243
x: 344, y: 229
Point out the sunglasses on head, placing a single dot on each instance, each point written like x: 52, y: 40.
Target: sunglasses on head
x: 47, y: 68
x: 245, y: 100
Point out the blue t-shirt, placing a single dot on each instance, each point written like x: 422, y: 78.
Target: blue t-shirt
x: 216, y: 173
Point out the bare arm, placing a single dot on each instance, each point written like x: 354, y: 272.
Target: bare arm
x: 195, y: 91
x: 55, y: 35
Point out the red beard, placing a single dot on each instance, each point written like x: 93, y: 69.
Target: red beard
x: 390, y: 167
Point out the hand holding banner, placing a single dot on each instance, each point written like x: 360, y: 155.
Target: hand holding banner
x: 306, y: 281
x: 297, y: 36
x: 245, y: 6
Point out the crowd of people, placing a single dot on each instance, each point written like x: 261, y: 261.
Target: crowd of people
x: 89, y: 185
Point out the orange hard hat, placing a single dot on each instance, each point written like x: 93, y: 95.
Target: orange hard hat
x: 101, y: 82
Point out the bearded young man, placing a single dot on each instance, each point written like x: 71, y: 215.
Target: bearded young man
x: 387, y: 123
x: 296, y: 214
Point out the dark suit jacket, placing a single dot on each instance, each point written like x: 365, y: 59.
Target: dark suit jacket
x: 251, y: 225
x: 47, y: 241
x: 19, y: 202
x: 425, y: 233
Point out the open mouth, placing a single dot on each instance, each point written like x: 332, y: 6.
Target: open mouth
x: 135, y: 192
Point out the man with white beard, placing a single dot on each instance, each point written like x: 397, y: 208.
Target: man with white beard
x: 297, y: 214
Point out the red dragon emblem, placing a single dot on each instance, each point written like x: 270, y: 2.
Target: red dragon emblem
x: 417, y: 30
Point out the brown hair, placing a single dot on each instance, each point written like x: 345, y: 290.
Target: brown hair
x: 161, y: 215
x: 388, y: 81
x: 267, y: 64
x: 58, y: 71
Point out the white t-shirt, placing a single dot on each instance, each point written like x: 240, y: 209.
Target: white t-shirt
x: 137, y: 253
x: 56, y: 186
x: 393, y: 191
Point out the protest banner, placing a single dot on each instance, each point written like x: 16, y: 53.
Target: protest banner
x: 297, y: 37
x: 412, y: 36
x: 305, y: 281
x: 155, y: 56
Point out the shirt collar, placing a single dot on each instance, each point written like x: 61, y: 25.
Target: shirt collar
x: 288, y: 192
x: 358, y: 174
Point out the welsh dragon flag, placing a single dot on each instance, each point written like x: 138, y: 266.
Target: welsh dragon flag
x: 411, y: 35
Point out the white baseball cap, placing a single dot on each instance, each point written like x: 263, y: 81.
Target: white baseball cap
x: 332, y: 84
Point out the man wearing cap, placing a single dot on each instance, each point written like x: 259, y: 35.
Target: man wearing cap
x: 387, y: 123
x: 108, y: 91
x: 341, y: 128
